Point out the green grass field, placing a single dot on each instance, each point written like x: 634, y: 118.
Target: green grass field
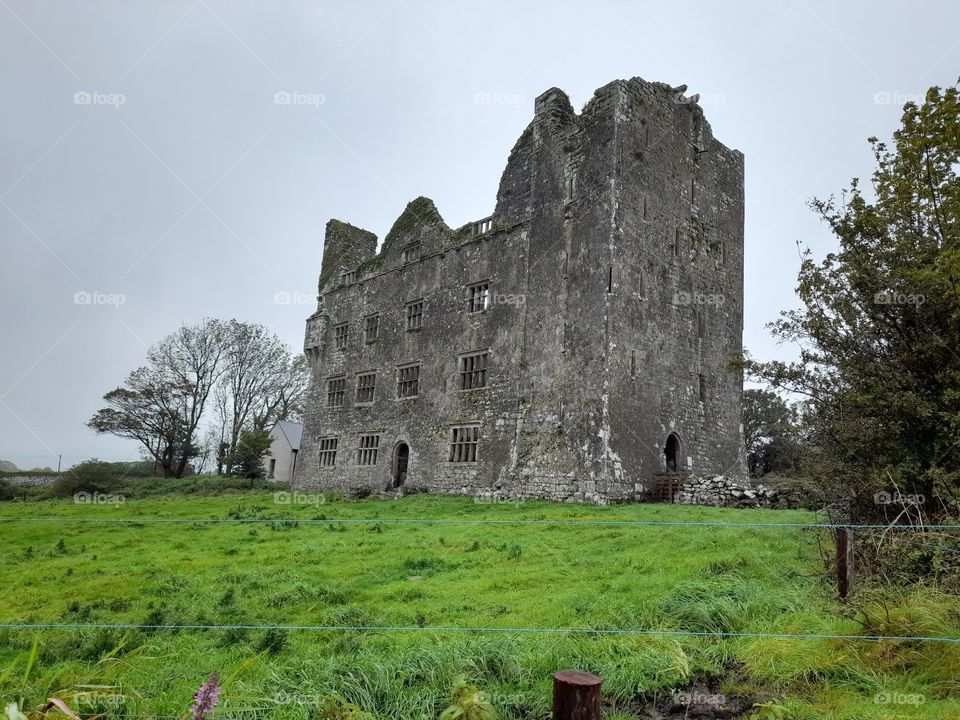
x: 280, y: 569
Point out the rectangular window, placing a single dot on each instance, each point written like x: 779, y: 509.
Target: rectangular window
x: 348, y: 277
x: 478, y: 297
x: 464, y: 440
x: 367, y: 452
x: 336, y: 389
x: 410, y: 253
x: 408, y: 381
x: 371, y: 328
x: 340, y: 335
x: 702, y: 384
x: 415, y: 315
x: 473, y: 370
x: 366, y: 384
x: 328, y: 452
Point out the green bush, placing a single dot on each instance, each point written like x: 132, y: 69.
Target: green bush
x: 90, y: 476
x: 7, y: 491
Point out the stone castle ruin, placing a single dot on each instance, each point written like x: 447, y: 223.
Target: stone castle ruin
x: 574, y: 345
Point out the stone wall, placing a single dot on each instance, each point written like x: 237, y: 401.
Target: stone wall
x: 723, y: 491
x: 29, y: 480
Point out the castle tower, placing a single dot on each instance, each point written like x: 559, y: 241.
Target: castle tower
x: 574, y: 345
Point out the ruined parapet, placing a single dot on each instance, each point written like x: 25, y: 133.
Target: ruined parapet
x: 344, y: 248
x: 419, y: 230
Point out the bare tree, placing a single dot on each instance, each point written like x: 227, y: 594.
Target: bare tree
x: 161, y: 405
x: 241, y: 371
x: 262, y: 382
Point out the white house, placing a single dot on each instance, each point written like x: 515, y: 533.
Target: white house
x: 281, y: 460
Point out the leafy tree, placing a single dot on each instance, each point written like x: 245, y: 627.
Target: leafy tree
x: 879, y: 330
x: 247, y: 459
x: 146, y: 409
x: 769, y: 432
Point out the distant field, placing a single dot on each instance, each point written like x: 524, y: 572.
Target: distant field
x: 523, y: 577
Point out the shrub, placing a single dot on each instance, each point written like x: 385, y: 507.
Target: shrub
x: 90, y: 476
x: 7, y: 491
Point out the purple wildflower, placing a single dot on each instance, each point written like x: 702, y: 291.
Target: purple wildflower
x: 206, y: 697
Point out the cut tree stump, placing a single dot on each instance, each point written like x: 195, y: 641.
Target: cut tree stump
x: 576, y: 696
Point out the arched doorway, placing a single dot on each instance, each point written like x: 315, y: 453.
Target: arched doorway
x: 672, y: 452
x: 401, y: 458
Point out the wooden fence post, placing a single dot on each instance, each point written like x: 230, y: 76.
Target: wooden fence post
x: 844, y: 561
x: 576, y: 696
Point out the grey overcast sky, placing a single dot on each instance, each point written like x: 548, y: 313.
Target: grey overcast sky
x: 146, y: 164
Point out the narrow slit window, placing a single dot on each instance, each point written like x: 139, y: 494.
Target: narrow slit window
x: 371, y: 328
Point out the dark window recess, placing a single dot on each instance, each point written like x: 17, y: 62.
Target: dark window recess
x: 410, y: 253
x: 365, y: 387
x: 368, y: 450
x: 336, y: 389
x: 478, y: 297
x: 473, y: 370
x: 340, y: 333
x: 348, y: 278
x: 328, y: 452
x: 702, y: 387
x: 464, y: 440
x: 408, y: 381
x: 415, y: 315
x: 371, y: 328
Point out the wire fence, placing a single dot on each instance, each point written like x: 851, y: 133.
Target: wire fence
x: 484, y: 629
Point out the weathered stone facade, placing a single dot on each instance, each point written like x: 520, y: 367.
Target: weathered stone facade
x: 614, y: 271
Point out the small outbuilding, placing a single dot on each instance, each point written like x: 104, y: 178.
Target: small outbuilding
x: 280, y: 461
